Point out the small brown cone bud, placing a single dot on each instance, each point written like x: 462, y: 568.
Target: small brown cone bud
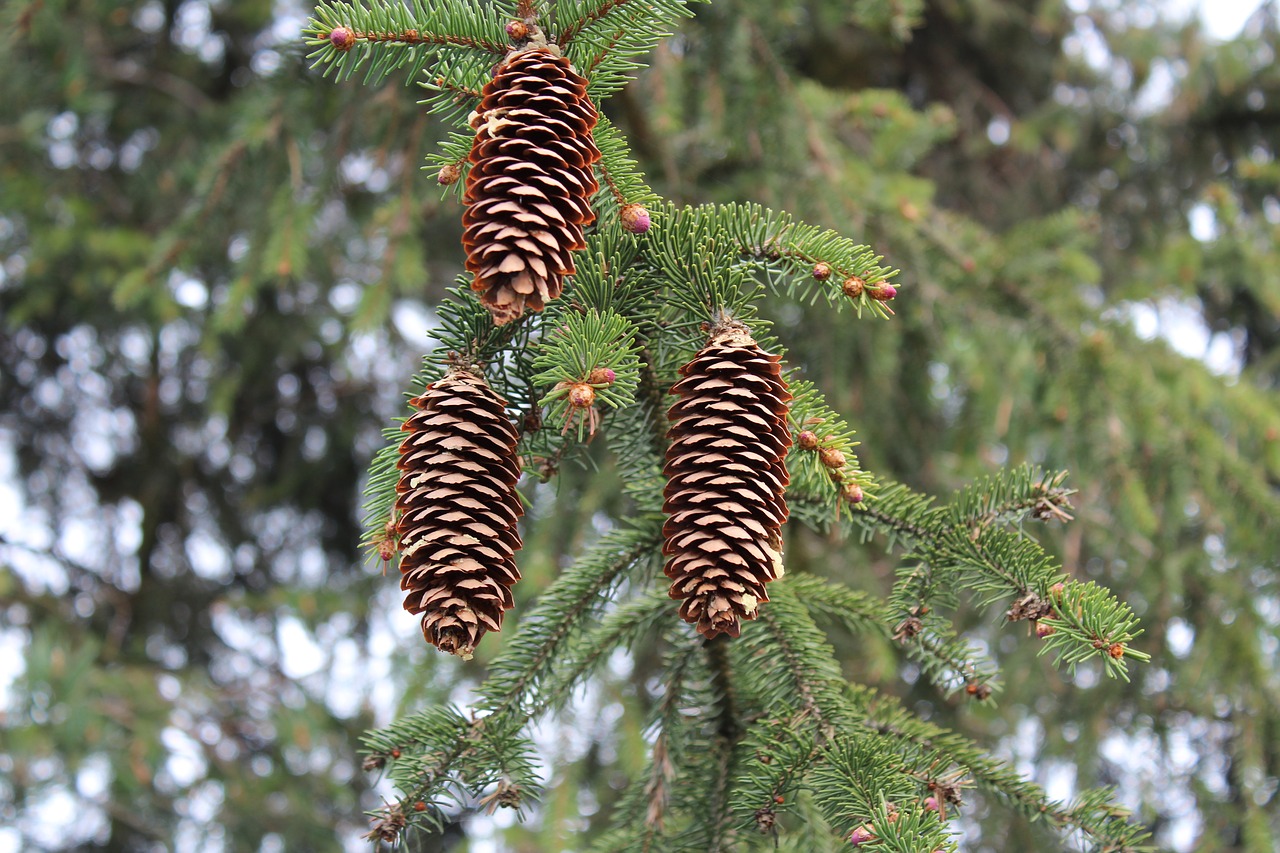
x: 457, y: 508
x: 821, y: 272
x: 978, y: 691
x: 602, y: 376
x: 852, y: 493
x: 853, y: 287
x: 808, y: 440
x: 518, y: 30
x: 342, y: 38
x: 832, y: 458
x: 581, y: 395
x: 883, y: 292
x: 725, y: 475
x: 529, y: 188
x: 1043, y: 629
x: 449, y: 174
x: 1116, y: 650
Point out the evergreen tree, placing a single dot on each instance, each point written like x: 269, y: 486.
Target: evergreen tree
x: 211, y: 264
x: 759, y: 736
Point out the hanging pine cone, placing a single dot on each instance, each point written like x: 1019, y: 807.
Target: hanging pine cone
x: 529, y: 190
x: 725, y: 478
x: 457, y: 508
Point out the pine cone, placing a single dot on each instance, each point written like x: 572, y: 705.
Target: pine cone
x: 456, y: 506
x: 725, y: 479
x: 529, y: 190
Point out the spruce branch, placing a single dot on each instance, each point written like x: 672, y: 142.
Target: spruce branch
x: 622, y: 628
x: 587, y: 14
x: 728, y: 731
x: 960, y: 546
x: 1094, y: 814
x: 589, y: 359
x: 386, y: 35
x: 526, y: 666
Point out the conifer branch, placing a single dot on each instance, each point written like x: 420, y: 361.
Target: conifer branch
x: 621, y: 628
x: 728, y: 733
x: 517, y: 676
x: 1092, y: 815
x: 601, y: 8
x: 388, y: 35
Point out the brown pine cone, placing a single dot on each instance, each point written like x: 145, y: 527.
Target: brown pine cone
x: 725, y: 480
x: 529, y: 190
x: 457, y: 506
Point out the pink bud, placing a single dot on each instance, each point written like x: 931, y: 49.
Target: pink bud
x: 342, y: 38
x: 884, y: 292
x: 861, y: 835
x: 634, y: 218
x: 602, y: 376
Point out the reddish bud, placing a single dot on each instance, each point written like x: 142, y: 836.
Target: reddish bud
x: 1116, y: 650
x: 342, y: 38
x: 853, y: 287
x: 581, y: 395
x: 808, y: 440
x: 395, y: 753
x: 884, y: 292
x: 1057, y: 590
x: 1043, y: 629
x: 861, y: 835
x: 852, y: 493
x: 779, y: 799
x: 931, y: 805
x: 978, y: 691
x: 518, y: 30
x: 419, y: 806
x: 634, y: 218
x: 821, y: 272
x: 449, y: 174
x: 602, y: 376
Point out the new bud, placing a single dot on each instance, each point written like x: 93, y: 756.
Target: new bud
x: 602, y: 376
x: 634, y: 218
x: 581, y: 395
x: 831, y: 457
x: 449, y: 174
x: 342, y: 38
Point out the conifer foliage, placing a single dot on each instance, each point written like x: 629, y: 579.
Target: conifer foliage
x: 756, y: 734
x: 725, y: 480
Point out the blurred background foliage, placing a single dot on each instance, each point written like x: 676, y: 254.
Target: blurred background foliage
x: 216, y: 278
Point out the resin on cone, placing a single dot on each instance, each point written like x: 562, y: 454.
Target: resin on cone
x: 456, y: 510
x: 528, y: 193
x: 725, y: 479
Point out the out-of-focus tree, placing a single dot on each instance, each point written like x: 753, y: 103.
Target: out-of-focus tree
x: 214, y: 268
